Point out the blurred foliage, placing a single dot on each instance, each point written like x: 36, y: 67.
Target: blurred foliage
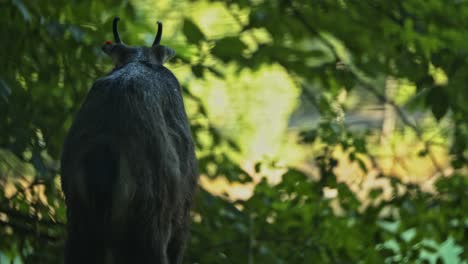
x: 264, y: 57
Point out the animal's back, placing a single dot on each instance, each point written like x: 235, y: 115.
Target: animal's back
x: 122, y: 155
x: 121, y: 119
x: 128, y: 165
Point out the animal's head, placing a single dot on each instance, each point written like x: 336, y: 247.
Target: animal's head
x: 122, y: 54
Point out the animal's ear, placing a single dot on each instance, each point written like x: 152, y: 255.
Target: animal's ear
x: 163, y: 53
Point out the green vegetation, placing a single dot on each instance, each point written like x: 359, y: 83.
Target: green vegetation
x: 330, y: 131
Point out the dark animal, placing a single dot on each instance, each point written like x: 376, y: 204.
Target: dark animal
x: 128, y: 165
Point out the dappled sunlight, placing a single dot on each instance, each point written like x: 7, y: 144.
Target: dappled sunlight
x: 251, y: 107
x: 214, y: 19
x: 221, y: 187
x: 311, y: 121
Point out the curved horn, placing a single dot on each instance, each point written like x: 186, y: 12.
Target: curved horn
x: 157, y: 40
x: 116, y: 32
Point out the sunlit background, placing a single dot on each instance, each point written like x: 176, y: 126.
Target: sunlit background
x: 326, y: 132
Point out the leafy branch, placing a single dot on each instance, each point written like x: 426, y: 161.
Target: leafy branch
x: 368, y: 84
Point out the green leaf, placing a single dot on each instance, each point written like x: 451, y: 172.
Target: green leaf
x: 457, y: 163
x: 408, y: 235
x: 308, y: 136
x: 449, y: 251
x: 228, y: 48
x: 391, y: 227
x: 362, y: 165
x: 437, y: 99
x: 215, y: 72
x: 192, y: 32
x: 258, y: 167
x: 375, y: 193
x: 198, y: 71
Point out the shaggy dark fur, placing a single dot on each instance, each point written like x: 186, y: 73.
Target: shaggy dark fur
x: 128, y: 167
